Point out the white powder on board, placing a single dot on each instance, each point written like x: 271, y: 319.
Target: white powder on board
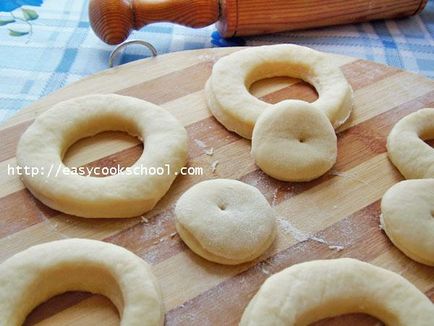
x: 302, y: 236
x: 348, y: 175
x: 337, y: 248
x: 209, y: 151
x: 144, y: 219
x: 290, y: 229
x: 214, y: 166
x: 273, y: 202
x: 208, y: 57
x: 200, y: 143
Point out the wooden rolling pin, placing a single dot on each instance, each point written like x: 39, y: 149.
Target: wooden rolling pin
x: 113, y: 20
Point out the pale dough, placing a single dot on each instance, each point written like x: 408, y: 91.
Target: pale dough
x: 38, y: 273
x: 225, y: 221
x: 293, y: 141
x: 45, y: 142
x: 407, y: 217
x: 227, y: 90
x: 406, y: 148
x: 311, y: 291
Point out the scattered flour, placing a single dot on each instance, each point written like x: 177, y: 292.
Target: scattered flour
x: 144, y: 220
x: 214, y: 166
x: 380, y: 226
x: 273, y: 202
x: 290, y: 229
x: 337, y: 248
x: 209, y: 151
x: 302, y: 236
x: 263, y: 270
x: 207, y: 57
x: 200, y: 143
x: 348, y: 175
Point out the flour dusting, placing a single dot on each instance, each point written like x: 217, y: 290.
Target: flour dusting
x: 337, y: 248
x: 200, y: 143
x: 209, y: 151
x: 348, y: 175
x: 302, y: 236
x: 214, y: 166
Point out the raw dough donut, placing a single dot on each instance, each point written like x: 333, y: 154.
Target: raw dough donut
x: 311, y: 291
x: 407, y: 217
x: 225, y: 221
x: 122, y: 195
x: 407, y: 151
x: 293, y: 141
x: 227, y: 89
x: 38, y: 273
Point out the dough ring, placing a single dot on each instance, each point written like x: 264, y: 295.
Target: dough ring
x: 122, y: 195
x: 36, y: 274
x: 293, y: 141
x: 311, y: 291
x: 227, y: 89
x: 408, y: 218
x: 407, y: 151
x: 225, y: 221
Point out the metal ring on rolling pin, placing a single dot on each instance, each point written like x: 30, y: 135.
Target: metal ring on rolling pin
x: 125, y: 44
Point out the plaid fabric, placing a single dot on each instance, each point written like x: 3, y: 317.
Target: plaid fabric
x: 62, y: 48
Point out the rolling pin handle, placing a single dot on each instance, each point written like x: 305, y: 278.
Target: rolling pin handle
x: 113, y: 20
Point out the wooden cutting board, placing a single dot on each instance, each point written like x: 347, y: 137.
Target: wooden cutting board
x: 339, y: 209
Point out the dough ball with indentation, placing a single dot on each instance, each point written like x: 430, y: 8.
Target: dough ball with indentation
x: 225, y: 221
x: 294, y: 141
x: 408, y: 218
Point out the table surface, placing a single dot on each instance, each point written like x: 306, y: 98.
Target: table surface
x: 62, y: 48
x: 339, y: 209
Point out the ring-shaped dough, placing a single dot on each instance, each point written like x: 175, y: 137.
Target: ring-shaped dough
x: 293, y: 141
x: 225, y: 221
x: 122, y: 195
x: 38, y: 273
x: 227, y: 89
x: 312, y: 291
x: 406, y: 148
x: 407, y: 217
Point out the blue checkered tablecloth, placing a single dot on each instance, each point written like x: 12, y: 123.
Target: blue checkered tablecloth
x: 47, y: 44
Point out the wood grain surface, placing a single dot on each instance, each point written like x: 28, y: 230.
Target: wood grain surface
x: 113, y: 20
x: 253, y: 17
x: 341, y: 208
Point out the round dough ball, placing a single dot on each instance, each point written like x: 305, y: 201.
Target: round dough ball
x: 406, y: 148
x: 41, y: 272
x: 407, y: 217
x: 225, y: 221
x: 312, y: 291
x: 231, y: 103
x: 293, y: 141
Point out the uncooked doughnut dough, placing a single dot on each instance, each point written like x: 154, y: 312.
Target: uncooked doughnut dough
x: 227, y: 90
x: 34, y: 275
x: 406, y: 148
x: 293, y: 141
x: 122, y: 195
x: 225, y: 221
x: 308, y: 292
x: 407, y: 217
